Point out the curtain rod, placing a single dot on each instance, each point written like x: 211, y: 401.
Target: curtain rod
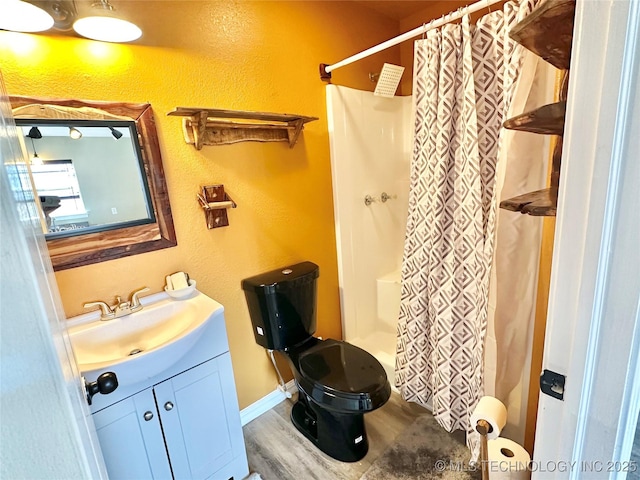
x: 325, y: 70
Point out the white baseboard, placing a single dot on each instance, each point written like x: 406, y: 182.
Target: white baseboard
x: 266, y: 403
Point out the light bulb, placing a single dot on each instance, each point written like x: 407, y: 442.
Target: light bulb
x: 107, y: 29
x: 19, y: 16
x: 75, y: 133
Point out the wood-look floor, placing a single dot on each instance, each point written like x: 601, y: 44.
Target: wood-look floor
x: 277, y: 451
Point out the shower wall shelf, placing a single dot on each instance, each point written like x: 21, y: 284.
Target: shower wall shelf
x: 208, y: 126
x: 548, y: 33
x: 546, y: 120
x: 538, y: 203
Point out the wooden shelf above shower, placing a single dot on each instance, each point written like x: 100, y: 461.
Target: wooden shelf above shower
x: 548, y: 32
x: 208, y: 126
x: 546, y: 120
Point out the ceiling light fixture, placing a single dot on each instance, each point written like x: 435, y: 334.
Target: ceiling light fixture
x: 34, y: 132
x: 75, y: 133
x: 116, y: 133
x: 19, y: 16
x: 103, y: 26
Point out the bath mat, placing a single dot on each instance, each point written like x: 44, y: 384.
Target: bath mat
x: 424, y: 451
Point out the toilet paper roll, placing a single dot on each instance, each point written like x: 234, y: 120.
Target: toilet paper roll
x: 508, y: 460
x: 494, y: 412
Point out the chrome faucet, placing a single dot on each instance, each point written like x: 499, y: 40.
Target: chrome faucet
x: 120, y: 308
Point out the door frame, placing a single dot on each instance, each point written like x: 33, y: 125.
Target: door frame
x: 40, y: 377
x: 602, y: 108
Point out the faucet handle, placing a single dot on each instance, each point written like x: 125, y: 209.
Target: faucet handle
x: 105, y: 309
x: 135, y: 300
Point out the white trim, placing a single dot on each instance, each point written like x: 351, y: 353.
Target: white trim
x: 449, y: 17
x: 587, y: 280
x: 618, y: 151
x: 266, y: 403
x: 629, y: 412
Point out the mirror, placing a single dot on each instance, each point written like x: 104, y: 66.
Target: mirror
x: 97, y: 170
x: 88, y: 175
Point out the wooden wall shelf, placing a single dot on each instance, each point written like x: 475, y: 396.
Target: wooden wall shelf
x: 541, y: 203
x: 208, y: 126
x: 546, y: 120
x: 548, y: 32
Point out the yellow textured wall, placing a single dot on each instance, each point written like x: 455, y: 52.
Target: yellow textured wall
x: 221, y: 54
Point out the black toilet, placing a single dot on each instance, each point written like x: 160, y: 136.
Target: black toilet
x: 337, y: 382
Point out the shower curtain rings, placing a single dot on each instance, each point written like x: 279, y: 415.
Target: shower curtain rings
x: 426, y: 27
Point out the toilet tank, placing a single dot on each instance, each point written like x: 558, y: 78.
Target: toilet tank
x: 282, y: 305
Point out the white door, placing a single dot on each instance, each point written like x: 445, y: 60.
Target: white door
x: 593, y: 328
x: 46, y: 428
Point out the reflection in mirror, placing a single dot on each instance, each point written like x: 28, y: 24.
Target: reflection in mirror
x: 89, y: 175
x: 99, y: 175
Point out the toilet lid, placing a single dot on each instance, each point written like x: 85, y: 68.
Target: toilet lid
x: 343, y: 368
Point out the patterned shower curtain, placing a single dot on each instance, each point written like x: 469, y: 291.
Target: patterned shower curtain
x: 464, y: 78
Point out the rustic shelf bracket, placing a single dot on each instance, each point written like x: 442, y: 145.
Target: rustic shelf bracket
x: 199, y: 125
x: 294, y: 131
x: 215, y: 202
x: 206, y: 126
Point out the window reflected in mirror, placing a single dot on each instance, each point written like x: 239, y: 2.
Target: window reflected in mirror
x: 89, y: 176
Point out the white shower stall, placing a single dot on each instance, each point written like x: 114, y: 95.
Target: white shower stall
x: 371, y: 141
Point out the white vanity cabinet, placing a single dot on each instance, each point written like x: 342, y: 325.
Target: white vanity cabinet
x: 183, y: 423
x: 185, y: 417
x: 133, y: 447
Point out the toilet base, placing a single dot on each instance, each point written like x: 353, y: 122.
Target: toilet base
x: 341, y: 436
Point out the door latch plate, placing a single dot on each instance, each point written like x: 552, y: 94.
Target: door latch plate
x: 552, y: 384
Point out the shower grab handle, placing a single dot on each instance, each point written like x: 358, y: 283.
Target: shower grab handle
x: 384, y: 196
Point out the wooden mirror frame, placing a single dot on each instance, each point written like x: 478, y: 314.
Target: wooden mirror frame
x: 97, y: 247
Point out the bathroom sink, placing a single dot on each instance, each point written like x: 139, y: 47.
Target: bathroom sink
x: 140, y: 345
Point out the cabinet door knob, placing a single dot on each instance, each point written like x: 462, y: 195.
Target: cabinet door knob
x: 148, y: 416
x: 168, y: 406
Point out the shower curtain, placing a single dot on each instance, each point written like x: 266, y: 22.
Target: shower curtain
x: 464, y: 78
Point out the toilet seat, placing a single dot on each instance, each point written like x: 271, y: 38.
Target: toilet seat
x: 342, y: 377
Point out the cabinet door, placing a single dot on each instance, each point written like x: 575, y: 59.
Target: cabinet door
x: 200, y: 419
x: 132, y: 446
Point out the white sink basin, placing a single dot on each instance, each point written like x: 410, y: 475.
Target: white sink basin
x: 142, y: 344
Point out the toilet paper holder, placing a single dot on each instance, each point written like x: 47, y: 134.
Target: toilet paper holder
x: 484, y: 428
x: 215, y: 202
